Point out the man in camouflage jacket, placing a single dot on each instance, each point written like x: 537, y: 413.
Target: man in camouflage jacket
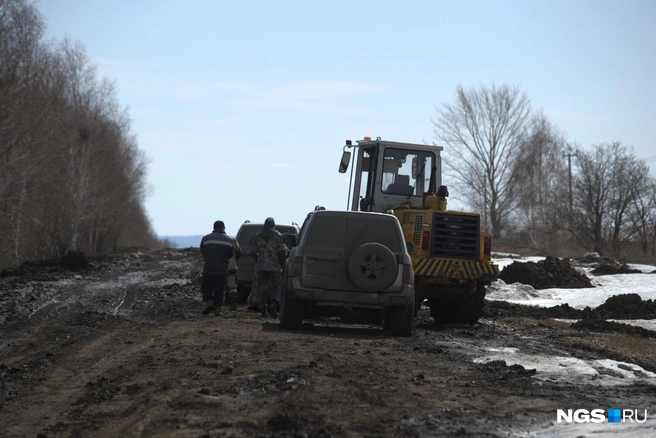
x: 269, y: 254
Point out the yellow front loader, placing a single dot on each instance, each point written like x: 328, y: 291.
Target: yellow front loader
x: 450, y: 253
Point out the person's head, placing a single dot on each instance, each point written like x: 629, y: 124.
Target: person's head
x: 269, y: 223
x: 219, y: 226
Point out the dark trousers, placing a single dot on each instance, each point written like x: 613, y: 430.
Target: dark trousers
x: 213, y: 288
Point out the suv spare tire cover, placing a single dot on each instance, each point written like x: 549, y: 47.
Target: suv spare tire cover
x: 372, y: 267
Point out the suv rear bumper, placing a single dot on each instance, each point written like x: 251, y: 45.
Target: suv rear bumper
x: 369, y: 299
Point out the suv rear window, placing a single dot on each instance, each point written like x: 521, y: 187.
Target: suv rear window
x: 247, y: 232
x: 327, y: 231
x: 363, y: 229
x: 351, y: 231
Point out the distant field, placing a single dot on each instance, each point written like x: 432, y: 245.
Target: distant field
x: 183, y: 241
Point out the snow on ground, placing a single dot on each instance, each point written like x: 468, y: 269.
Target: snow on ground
x: 569, y: 369
x: 605, y: 286
x: 604, y: 372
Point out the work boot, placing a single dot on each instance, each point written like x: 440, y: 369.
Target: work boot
x: 217, y: 311
x: 273, y: 309
x: 209, y: 306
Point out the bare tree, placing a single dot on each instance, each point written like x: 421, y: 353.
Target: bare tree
x: 23, y: 63
x: 71, y: 174
x: 540, y: 172
x: 609, y: 182
x: 482, y: 133
x: 632, y: 179
x: 642, y: 218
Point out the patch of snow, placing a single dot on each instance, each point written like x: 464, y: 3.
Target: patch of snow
x: 563, y: 369
x: 606, y: 286
x: 121, y: 282
x: 168, y: 282
x: 648, y: 324
x: 170, y: 264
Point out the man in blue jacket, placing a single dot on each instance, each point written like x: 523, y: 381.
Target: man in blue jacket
x: 217, y: 249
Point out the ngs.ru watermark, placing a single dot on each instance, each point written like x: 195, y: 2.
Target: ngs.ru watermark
x: 599, y: 416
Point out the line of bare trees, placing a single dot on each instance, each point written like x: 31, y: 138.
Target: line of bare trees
x: 511, y: 164
x: 71, y: 174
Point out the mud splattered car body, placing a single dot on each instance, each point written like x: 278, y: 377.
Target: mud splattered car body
x: 350, y: 259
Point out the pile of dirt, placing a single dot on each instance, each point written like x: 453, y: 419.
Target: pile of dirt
x: 551, y: 272
x: 626, y: 306
x: 611, y: 267
x: 500, y: 309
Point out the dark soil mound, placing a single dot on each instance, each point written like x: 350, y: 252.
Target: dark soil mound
x: 549, y: 273
x: 610, y: 267
x: 497, y: 309
x: 627, y: 306
x: 504, y: 371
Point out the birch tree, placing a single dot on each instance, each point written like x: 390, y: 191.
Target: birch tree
x: 481, y: 133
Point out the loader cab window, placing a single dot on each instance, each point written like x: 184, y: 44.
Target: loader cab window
x: 406, y: 172
x: 367, y: 159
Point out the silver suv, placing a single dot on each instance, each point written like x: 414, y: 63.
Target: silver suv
x: 246, y: 264
x: 350, y: 259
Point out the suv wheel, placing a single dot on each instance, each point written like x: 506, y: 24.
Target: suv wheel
x: 291, y: 311
x: 372, y: 267
x: 402, y: 319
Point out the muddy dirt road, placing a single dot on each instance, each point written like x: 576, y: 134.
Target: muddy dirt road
x: 121, y: 349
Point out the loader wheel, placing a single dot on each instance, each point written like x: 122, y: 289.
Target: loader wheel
x: 372, y: 267
x: 442, y: 311
x: 470, y: 308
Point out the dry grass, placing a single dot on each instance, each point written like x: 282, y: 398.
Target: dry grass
x: 644, y: 348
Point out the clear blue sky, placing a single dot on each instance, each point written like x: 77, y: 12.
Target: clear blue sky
x: 243, y: 107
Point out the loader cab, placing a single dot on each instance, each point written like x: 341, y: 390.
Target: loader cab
x: 389, y: 174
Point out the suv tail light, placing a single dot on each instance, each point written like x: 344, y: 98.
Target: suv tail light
x: 407, y: 274
x: 298, y: 266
